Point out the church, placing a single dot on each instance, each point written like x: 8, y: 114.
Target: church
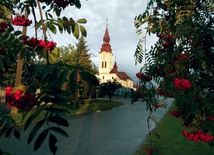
x: 108, y: 71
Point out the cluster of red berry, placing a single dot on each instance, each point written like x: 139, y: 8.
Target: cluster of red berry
x: 33, y: 42
x: 181, y: 58
x: 3, y: 26
x: 2, y: 51
x: 61, y: 3
x: 176, y: 113
x: 211, y: 118
x: 195, y: 43
x: 164, y: 93
x: 143, y: 77
x: 181, y: 84
x: 167, y: 39
x: 149, y: 151
x: 19, y: 99
x: 197, y: 136
x: 21, y: 21
x: 157, y: 105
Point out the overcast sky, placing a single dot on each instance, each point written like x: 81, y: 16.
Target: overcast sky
x: 120, y: 15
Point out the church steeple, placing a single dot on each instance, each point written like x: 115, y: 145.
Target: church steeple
x: 106, y: 54
x: 106, y: 41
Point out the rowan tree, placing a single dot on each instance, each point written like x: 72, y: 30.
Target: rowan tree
x: 181, y: 61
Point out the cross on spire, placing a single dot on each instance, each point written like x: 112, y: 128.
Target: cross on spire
x: 107, y: 22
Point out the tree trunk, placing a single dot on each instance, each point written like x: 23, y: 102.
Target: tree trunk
x: 110, y: 96
x: 20, y: 62
x: 19, y: 68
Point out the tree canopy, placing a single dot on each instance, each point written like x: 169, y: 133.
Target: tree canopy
x: 108, y: 88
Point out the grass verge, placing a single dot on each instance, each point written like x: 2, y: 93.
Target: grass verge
x: 168, y: 140
x: 89, y: 106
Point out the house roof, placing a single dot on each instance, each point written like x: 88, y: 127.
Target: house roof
x: 121, y: 75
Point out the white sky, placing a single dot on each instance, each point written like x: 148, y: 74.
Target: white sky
x: 123, y: 39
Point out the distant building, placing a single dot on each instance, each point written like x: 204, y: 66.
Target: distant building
x: 108, y: 71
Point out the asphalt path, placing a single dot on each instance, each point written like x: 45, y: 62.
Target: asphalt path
x: 119, y: 131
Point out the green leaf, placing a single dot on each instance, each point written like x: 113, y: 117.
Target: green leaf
x: 77, y: 4
x: 90, y: 78
x: 17, y: 134
x: 54, y: 75
x: 50, y: 15
x: 31, y: 118
x: 8, y: 133
x: 76, y: 31
x: 59, y: 131
x: 35, y: 130
x: 45, y: 72
x: 73, y: 81
x: 52, y: 28
x: 69, y: 29
x: 52, y: 143
x: 2, y: 65
x: 62, y: 78
x: 43, y: 7
x: 36, y: 72
x: 3, y: 120
x: 139, y: 32
x: 58, y: 12
x: 16, y: 33
x: 40, y: 139
x: 83, y: 31
x: 38, y: 24
x: 58, y: 120
x: 65, y: 22
x: 60, y: 25
x: 57, y: 111
x: 82, y: 20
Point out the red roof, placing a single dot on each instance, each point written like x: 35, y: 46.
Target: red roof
x: 121, y: 75
x: 106, y: 42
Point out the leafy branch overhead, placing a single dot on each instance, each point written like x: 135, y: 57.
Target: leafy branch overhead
x: 35, y: 92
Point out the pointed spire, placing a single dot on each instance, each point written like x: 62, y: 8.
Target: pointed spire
x: 106, y: 40
x: 106, y: 37
x: 115, y: 65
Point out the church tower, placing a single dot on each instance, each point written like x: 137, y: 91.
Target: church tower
x: 109, y: 71
x: 105, y: 54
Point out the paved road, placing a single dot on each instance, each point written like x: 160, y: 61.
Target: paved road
x: 119, y: 131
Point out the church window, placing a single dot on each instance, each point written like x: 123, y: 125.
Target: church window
x: 104, y: 64
x: 103, y: 77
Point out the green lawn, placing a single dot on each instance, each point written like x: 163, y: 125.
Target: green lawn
x: 89, y: 106
x: 168, y: 140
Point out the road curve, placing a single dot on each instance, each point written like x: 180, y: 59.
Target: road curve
x: 119, y: 131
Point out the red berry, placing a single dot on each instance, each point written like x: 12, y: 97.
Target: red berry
x: 9, y: 89
x: 19, y: 91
